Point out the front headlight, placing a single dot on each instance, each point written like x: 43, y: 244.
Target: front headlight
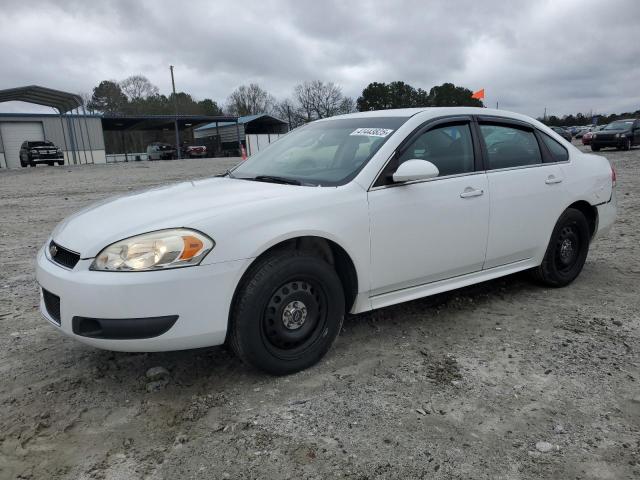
x: 622, y: 135
x: 617, y: 135
x: 163, y: 249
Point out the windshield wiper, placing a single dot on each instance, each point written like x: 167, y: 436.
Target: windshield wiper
x: 226, y: 174
x: 274, y: 179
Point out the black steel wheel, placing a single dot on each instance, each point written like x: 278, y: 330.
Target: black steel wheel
x: 295, y: 317
x: 287, y: 312
x: 567, y: 250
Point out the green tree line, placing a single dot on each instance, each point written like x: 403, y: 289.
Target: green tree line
x: 581, y: 119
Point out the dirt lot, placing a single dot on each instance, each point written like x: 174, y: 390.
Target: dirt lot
x: 462, y: 385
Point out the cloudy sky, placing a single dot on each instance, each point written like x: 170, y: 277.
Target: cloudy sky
x: 566, y: 55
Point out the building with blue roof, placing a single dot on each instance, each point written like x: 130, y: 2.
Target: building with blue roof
x: 253, y: 131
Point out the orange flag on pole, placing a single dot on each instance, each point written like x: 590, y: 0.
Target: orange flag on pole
x: 479, y: 94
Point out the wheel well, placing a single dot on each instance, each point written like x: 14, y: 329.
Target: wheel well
x: 590, y: 212
x: 330, y: 251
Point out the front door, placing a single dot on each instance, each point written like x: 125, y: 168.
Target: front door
x: 431, y: 230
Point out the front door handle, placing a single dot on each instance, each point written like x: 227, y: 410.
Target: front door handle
x: 471, y: 192
x: 551, y: 179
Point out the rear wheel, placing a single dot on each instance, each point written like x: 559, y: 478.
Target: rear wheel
x: 288, y: 311
x: 51, y: 164
x: 567, y: 250
x: 61, y: 162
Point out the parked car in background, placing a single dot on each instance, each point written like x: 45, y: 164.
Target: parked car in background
x: 161, y: 151
x: 342, y: 215
x: 621, y: 134
x: 194, y: 151
x: 562, y: 132
x: 32, y: 153
x: 586, y: 138
x: 581, y: 131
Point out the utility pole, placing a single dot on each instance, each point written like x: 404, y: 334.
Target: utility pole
x: 545, y: 114
x: 175, y: 104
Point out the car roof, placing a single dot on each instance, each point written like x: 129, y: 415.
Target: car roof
x: 438, y: 112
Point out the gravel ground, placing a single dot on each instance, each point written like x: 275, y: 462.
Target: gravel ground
x: 503, y: 380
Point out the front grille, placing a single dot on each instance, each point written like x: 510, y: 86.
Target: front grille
x: 52, y: 304
x: 62, y: 256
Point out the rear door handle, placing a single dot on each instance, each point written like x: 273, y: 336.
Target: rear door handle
x: 471, y: 192
x: 551, y: 179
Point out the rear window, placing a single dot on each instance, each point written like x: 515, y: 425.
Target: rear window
x: 510, y: 147
x: 558, y: 152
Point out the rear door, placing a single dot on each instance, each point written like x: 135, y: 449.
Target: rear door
x: 526, y: 185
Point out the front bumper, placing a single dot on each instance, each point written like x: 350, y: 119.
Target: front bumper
x: 608, y: 142
x: 46, y: 158
x: 199, y: 296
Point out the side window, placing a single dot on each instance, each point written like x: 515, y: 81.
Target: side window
x: 558, y: 152
x: 510, y: 147
x: 448, y: 147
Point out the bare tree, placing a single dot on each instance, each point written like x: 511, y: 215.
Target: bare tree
x: 86, y: 101
x: 317, y: 99
x: 288, y: 111
x: 137, y: 87
x: 249, y: 100
x: 304, y: 95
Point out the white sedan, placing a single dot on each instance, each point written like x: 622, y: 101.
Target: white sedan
x: 346, y: 214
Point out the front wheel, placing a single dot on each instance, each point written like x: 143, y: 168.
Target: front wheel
x: 287, y: 313
x: 567, y: 250
x: 627, y: 144
x: 595, y: 148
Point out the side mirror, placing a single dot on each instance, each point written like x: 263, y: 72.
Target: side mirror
x: 412, y: 170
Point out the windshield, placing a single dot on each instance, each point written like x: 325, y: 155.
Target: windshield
x: 327, y: 153
x: 618, y: 126
x: 40, y: 144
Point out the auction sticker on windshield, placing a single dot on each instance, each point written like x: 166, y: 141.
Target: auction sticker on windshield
x: 372, y: 132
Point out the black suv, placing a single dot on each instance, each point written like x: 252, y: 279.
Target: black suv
x: 621, y: 134
x: 32, y: 153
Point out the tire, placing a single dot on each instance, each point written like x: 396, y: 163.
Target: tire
x: 287, y: 312
x: 61, y: 163
x: 595, y: 148
x: 567, y: 250
x: 51, y: 164
x: 627, y: 144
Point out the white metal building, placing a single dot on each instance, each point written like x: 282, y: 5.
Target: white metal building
x: 79, y: 136
x: 86, y: 132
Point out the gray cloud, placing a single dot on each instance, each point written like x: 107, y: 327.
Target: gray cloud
x: 567, y: 56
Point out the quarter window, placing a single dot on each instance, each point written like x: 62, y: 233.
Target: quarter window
x: 449, y: 148
x: 558, y: 152
x: 510, y: 147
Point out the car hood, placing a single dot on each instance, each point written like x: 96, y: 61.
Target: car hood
x: 181, y: 205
